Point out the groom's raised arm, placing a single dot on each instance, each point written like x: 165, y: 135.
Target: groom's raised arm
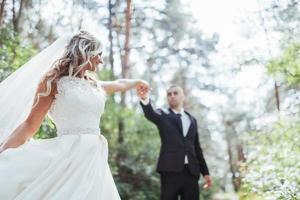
x: 152, y: 115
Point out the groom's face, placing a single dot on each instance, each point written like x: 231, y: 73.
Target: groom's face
x: 175, y: 97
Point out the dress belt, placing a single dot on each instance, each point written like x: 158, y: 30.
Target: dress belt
x: 78, y: 130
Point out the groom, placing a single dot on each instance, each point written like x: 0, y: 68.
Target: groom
x: 180, y: 160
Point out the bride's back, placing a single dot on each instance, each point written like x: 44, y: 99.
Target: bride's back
x: 77, y: 105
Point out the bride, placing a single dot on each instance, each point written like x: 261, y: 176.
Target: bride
x: 74, y: 164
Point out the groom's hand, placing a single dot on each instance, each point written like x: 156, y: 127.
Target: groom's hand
x: 208, y: 182
x: 142, y: 91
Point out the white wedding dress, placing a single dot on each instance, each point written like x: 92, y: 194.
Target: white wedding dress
x: 71, y: 166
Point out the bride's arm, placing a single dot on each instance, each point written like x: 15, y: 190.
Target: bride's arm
x: 32, y: 123
x: 122, y: 85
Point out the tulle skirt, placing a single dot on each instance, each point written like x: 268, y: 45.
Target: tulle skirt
x: 68, y: 167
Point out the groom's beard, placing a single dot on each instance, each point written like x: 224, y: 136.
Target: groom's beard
x: 176, y: 107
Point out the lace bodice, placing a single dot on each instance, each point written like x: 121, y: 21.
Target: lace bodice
x: 77, y: 106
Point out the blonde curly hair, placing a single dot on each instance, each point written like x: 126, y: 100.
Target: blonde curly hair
x: 78, y: 52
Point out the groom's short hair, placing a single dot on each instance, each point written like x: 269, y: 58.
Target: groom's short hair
x: 174, y: 86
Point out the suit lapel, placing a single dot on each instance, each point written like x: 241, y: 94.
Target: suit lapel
x: 192, y: 123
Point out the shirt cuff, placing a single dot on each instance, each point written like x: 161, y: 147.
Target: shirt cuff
x: 145, y: 101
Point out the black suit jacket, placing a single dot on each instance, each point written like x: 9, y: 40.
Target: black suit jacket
x: 174, y: 145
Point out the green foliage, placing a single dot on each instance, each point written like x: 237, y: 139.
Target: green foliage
x: 207, y: 195
x: 13, y: 52
x: 272, y: 167
x: 140, y: 150
x: 287, y: 67
x: 47, y: 130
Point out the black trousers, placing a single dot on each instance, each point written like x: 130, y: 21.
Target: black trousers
x: 179, y: 184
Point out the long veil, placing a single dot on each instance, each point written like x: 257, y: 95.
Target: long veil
x: 17, y: 90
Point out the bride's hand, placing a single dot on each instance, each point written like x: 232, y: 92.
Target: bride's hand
x: 143, y: 89
x: 142, y: 84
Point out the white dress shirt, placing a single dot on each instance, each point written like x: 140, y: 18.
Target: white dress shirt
x: 186, y: 122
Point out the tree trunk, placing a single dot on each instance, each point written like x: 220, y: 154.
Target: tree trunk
x: 125, y: 61
x: 231, y: 165
x: 110, y: 37
x: 125, y: 74
x: 17, y: 14
x: 235, y: 155
x: 276, y: 88
x: 2, y: 11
